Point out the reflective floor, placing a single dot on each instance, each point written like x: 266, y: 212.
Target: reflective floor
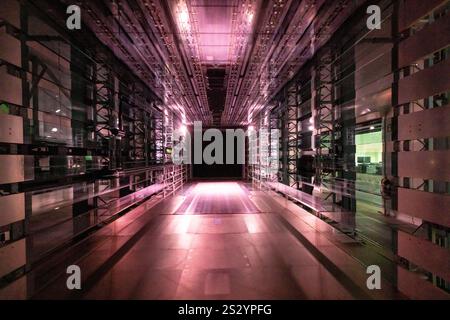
x: 216, y: 240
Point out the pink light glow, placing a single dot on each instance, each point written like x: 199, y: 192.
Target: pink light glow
x: 218, y: 188
x: 217, y: 197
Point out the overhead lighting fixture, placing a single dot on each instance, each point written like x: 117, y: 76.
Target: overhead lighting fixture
x: 249, y: 17
x: 54, y: 129
x: 58, y: 110
x: 372, y: 128
x: 184, y: 16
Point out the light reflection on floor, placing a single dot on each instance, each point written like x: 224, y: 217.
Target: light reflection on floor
x: 217, y: 197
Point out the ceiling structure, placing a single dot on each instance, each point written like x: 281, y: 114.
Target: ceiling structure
x: 215, y: 33
x: 216, y: 61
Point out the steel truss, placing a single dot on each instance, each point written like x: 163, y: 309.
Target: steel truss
x: 138, y: 118
x: 291, y: 135
x: 275, y: 145
x: 105, y: 101
x: 158, y: 134
x: 326, y: 167
x: 168, y: 136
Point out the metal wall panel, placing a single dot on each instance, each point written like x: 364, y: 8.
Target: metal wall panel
x: 12, y: 257
x: 11, y: 129
x: 425, y: 164
x: 425, y: 83
x: 12, y: 168
x: 428, y: 40
x: 412, y: 10
x: 10, y: 49
x: 416, y: 288
x: 431, y: 123
x: 432, y: 207
x: 418, y: 251
x: 12, y: 208
x: 10, y: 87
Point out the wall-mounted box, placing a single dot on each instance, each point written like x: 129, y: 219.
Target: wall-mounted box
x: 11, y: 129
x: 12, y: 208
x: 12, y: 257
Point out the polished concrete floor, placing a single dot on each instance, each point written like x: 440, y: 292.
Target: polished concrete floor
x: 215, y: 240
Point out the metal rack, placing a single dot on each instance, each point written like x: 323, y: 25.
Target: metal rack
x: 86, y: 134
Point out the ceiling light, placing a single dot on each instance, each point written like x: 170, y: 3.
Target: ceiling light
x: 372, y: 128
x: 184, y: 17
x: 58, y: 110
x: 54, y: 129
